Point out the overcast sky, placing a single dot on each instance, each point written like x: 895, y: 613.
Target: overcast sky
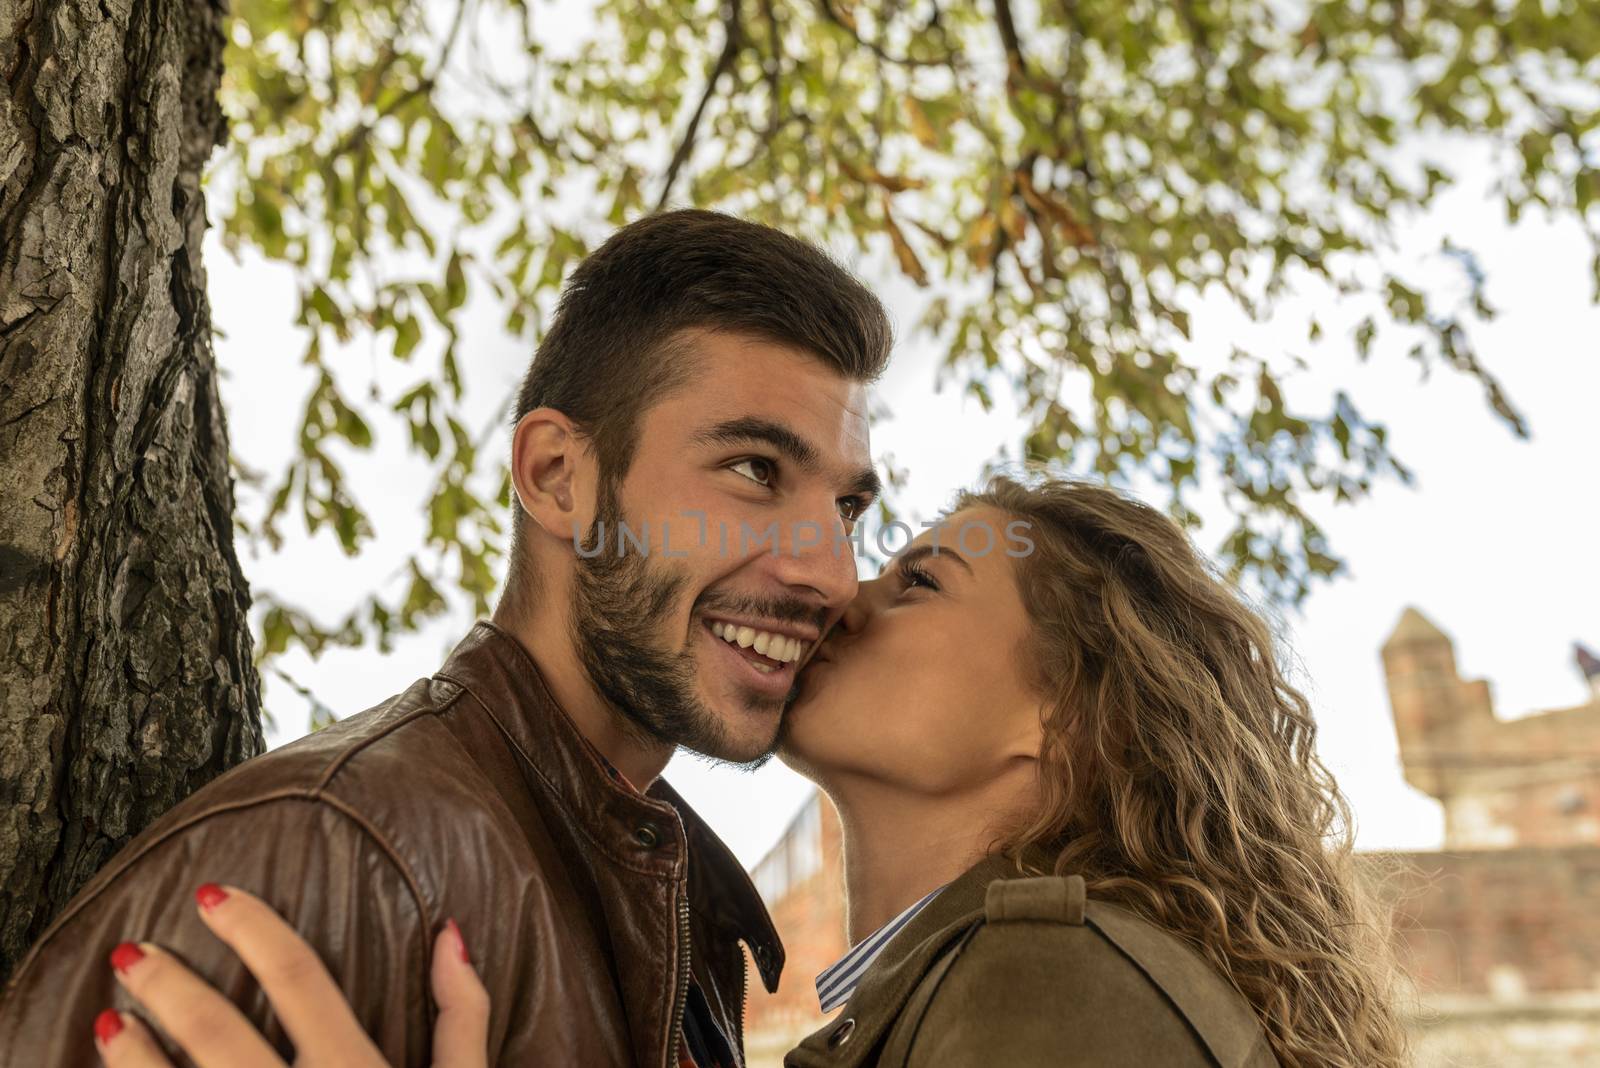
x: 1496, y: 543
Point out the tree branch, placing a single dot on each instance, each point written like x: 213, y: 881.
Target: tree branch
x: 833, y: 15
x: 1110, y: 269
x: 730, y: 52
x: 358, y: 136
x: 774, y: 65
x: 1008, y: 39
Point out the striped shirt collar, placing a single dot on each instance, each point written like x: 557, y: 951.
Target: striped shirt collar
x: 838, y: 981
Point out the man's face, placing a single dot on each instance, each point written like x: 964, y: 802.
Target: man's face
x: 743, y: 488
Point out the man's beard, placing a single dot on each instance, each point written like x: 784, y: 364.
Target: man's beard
x: 618, y: 600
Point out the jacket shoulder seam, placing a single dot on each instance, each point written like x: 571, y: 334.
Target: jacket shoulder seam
x: 122, y: 863
x: 350, y: 751
x: 351, y: 813
x: 952, y: 956
x: 1150, y: 972
x: 1263, y: 1044
x: 1094, y: 935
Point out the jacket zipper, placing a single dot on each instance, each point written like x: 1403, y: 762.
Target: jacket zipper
x: 744, y: 994
x: 681, y: 991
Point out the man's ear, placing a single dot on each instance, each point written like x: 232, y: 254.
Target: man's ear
x: 553, y: 474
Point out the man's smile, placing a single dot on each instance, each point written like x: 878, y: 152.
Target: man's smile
x: 763, y: 660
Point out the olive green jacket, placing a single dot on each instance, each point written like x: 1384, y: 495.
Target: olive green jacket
x: 1002, y: 972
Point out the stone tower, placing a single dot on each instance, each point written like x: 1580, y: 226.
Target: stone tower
x: 1437, y: 713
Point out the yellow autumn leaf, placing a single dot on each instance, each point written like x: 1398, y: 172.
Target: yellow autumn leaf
x: 921, y: 128
x: 894, y: 183
x: 909, y: 263
x: 980, y: 240
x: 1011, y: 220
x: 1066, y: 221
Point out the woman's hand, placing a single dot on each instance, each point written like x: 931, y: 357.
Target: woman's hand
x: 315, y: 1013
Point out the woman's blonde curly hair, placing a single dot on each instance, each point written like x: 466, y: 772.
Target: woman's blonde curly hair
x: 1179, y: 776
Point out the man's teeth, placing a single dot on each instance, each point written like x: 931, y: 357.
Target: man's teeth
x: 779, y: 647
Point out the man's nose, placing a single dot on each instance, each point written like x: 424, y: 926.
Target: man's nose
x: 818, y: 556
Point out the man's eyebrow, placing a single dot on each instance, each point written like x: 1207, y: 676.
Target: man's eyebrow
x: 867, y: 484
x: 918, y: 553
x: 751, y: 429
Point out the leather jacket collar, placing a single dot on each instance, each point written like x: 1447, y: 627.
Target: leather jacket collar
x: 493, y: 666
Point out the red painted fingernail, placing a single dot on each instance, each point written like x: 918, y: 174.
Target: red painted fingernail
x: 461, y: 943
x: 126, y: 956
x: 107, y: 1025
x: 210, y: 896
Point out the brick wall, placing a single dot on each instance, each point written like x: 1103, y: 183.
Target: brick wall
x: 1500, y: 923
x: 809, y: 914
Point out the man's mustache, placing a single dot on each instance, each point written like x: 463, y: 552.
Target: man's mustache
x: 777, y: 609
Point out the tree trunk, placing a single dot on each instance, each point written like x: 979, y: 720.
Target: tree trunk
x: 126, y: 678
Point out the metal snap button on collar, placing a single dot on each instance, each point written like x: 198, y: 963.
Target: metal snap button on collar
x: 842, y: 1033
x: 647, y: 835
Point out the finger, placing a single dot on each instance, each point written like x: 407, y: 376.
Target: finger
x: 314, y: 1010
x: 209, y: 1027
x: 461, y: 1034
x: 125, y: 1042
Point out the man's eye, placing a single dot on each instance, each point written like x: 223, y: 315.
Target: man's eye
x: 756, y: 469
x: 852, y: 508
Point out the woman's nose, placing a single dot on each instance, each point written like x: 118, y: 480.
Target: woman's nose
x: 862, y: 605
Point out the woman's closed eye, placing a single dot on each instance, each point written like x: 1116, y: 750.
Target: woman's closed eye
x: 913, y: 576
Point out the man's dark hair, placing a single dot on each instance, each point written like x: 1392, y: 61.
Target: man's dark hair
x: 612, y: 350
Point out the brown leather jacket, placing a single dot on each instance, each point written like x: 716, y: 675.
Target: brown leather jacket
x: 471, y: 795
x: 1003, y: 972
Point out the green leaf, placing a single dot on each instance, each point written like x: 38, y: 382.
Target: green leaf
x: 1364, y: 335
x: 407, y: 335
x: 455, y: 283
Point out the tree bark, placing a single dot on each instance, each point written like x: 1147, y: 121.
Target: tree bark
x: 126, y: 678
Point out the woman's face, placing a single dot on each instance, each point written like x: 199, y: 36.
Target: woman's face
x: 921, y: 686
